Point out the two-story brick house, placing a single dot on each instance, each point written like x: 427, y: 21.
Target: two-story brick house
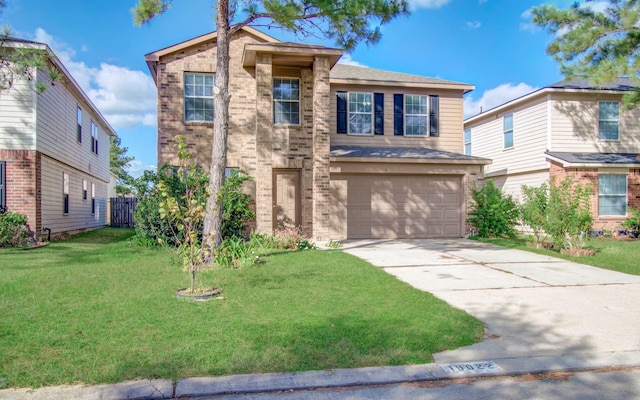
x: 343, y: 151
x: 570, y: 127
x: 54, y: 152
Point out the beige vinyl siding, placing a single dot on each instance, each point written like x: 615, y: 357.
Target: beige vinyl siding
x: 450, y: 124
x: 56, y: 124
x: 79, y: 216
x: 17, y: 117
x: 575, y: 125
x: 529, y: 139
x: 512, y: 184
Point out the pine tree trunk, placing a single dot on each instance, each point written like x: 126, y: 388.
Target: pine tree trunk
x: 212, y: 234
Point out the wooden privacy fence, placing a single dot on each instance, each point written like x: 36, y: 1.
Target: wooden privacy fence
x: 122, y: 210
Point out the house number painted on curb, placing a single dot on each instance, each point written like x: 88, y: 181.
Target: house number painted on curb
x: 477, y: 367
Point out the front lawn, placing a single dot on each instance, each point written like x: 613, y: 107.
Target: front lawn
x: 96, y: 309
x: 613, y: 254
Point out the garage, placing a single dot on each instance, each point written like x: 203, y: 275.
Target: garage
x: 396, y: 206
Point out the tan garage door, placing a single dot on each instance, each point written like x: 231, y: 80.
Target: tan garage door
x: 396, y: 206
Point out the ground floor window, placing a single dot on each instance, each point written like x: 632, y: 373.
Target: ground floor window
x: 612, y: 194
x: 65, y: 193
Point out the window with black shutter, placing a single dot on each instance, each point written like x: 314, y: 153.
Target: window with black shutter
x: 434, y: 118
x: 341, y: 111
x: 3, y: 186
x: 378, y: 105
x: 398, y: 116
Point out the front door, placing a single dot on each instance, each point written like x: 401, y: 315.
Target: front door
x: 286, y: 198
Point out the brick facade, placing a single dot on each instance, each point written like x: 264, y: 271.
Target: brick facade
x: 589, y: 176
x: 23, y: 184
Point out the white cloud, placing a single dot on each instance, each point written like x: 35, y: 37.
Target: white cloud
x: 136, y: 168
x: 473, y: 24
x: 125, y: 97
x: 415, y: 4
x: 495, y: 97
x: 597, y: 6
x: 347, y: 60
x: 528, y: 26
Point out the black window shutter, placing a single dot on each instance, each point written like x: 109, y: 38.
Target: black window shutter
x: 434, y: 115
x: 398, y: 114
x: 378, y: 104
x: 341, y: 111
x: 3, y: 184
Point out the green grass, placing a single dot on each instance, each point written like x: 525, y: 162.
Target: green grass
x: 613, y: 254
x: 96, y: 309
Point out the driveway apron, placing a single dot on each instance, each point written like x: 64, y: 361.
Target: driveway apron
x: 532, y: 305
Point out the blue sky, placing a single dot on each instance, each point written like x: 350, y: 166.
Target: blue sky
x: 488, y: 43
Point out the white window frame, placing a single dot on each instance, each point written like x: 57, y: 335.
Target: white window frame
x: 467, y: 141
x: 204, y: 96
x: 612, y: 195
x: 407, y: 114
x: 65, y: 193
x: 506, y: 132
x: 349, y: 113
x: 94, y: 137
x: 93, y: 198
x: 79, y: 127
x: 616, y: 120
x: 277, y: 100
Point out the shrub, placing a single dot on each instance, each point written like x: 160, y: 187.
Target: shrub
x: 234, y: 253
x: 293, y: 238
x: 493, y: 213
x: 633, y: 222
x: 568, y: 213
x: 236, y: 205
x: 14, y: 230
x: 534, y: 210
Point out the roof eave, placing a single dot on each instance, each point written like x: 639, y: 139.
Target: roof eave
x: 251, y: 49
x: 568, y: 164
x: 407, y: 160
x: 369, y: 82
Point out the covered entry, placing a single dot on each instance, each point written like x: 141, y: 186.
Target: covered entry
x: 396, y: 206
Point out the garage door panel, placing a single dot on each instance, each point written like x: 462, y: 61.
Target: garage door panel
x: 387, y: 206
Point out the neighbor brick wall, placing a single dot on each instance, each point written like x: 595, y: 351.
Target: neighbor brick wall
x: 590, y: 176
x: 22, y: 184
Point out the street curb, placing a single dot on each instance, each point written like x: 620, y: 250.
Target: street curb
x: 308, y: 380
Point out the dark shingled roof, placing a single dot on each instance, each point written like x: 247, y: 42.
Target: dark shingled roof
x: 596, y: 158
x: 343, y: 71
x: 621, y: 84
x: 399, y: 152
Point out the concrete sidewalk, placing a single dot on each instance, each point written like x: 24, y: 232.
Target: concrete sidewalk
x: 541, y: 314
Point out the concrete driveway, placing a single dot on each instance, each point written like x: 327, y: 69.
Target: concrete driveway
x: 531, y: 305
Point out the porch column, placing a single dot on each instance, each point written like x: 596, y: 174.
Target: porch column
x: 321, y: 133
x: 264, y: 140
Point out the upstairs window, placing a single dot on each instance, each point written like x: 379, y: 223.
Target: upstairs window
x: 416, y: 115
x: 286, y: 101
x: 612, y: 194
x: 360, y: 110
x: 507, y: 126
x: 467, y: 141
x: 608, y: 120
x: 198, y: 97
x: 94, y: 137
x: 79, y: 128
x: 65, y: 193
x: 93, y: 198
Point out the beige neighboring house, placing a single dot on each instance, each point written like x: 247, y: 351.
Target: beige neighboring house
x: 570, y: 127
x: 342, y: 151
x: 54, y: 153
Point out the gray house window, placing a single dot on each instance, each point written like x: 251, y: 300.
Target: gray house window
x: 608, y: 120
x: 65, y: 193
x: 612, y: 194
x: 79, y: 128
x: 94, y: 137
x: 360, y: 110
x: 198, y: 97
x: 286, y: 101
x: 508, y: 131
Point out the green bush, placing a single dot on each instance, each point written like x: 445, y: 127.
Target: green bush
x: 493, y: 213
x: 236, y: 205
x: 633, y: 222
x: 14, y: 230
x: 149, y: 223
x: 568, y: 213
x: 534, y: 210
